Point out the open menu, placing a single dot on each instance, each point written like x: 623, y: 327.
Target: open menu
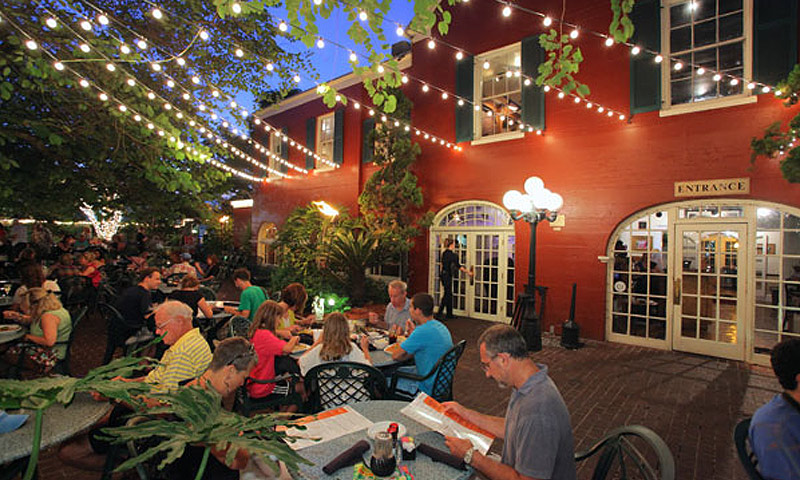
x: 431, y: 413
x: 327, y: 426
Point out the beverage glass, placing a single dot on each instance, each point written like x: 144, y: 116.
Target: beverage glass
x: 383, y: 461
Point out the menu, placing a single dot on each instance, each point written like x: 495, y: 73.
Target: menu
x: 431, y: 413
x: 326, y: 426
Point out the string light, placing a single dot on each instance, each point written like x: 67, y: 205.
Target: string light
x: 506, y: 11
x: 431, y: 44
x: 156, y: 13
x: 31, y: 45
x: 51, y: 22
x: 102, y: 19
x: 86, y: 25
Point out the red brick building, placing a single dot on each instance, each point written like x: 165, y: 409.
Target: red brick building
x: 707, y: 269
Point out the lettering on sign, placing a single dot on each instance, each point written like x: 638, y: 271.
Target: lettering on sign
x: 704, y: 188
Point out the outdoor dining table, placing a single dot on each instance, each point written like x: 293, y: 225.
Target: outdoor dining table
x: 8, y: 337
x: 376, y: 411
x: 59, y: 424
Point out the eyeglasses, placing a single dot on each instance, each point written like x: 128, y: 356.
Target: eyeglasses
x: 249, y: 354
x: 485, y: 365
x: 161, y: 327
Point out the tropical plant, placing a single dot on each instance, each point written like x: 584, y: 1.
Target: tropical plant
x: 41, y: 393
x: 348, y: 256
x: 194, y: 415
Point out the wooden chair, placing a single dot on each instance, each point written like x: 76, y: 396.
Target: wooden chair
x: 443, y: 374
x: 283, y: 394
x: 746, y: 455
x: 623, y: 454
x: 339, y: 383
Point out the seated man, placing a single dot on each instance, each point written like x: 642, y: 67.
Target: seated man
x: 428, y: 340
x: 536, y: 432
x: 397, y: 312
x: 183, y: 267
x: 251, y: 298
x: 187, y: 358
x: 134, y: 306
x: 775, y: 428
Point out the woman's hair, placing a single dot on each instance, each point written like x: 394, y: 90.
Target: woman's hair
x: 266, y: 317
x: 335, y: 338
x: 32, y: 275
x: 236, y: 351
x: 41, y: 301
x: 295, y: 296
x: 189, y: 281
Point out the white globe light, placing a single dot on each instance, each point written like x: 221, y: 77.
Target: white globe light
x: 533, y: 185
x: 557, y: 202
x: 512, y: 200
x: 528, y: 203
x: 540, y: 199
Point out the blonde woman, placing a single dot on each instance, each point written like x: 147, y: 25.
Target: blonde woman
x: 269, y: 348
x: 335, y: 346
x: 50, y: 324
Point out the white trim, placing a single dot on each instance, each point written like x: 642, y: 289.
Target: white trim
x: 498, y: 137
x: 747, y: 96
x: 320, y: 166
x: 311, y: 95
x: 444, y: 211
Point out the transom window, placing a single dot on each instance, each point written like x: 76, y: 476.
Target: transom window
x: 498, y: 84
x: 710, y: 35
x: 475, y: 215
x: 325, y: 135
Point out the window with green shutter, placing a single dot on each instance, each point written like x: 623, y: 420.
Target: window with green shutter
x: 645, y: 73
x: 367, y: 140
x: 775, y: 40
x: 338, y: 137
x: 464, y: 88
x: 532, y: 95
x: 498, y: 94
x: 285, y: 149
x: 311, y: 144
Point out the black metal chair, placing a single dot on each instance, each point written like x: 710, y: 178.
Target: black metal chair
x: 339, y: 383
x: 77, y: 290
x: 746, y: 455
x: 624, y: 454
x: 116, y: 323
x: 283, y: 394
x: 63, y: 365
x: 443, y: 372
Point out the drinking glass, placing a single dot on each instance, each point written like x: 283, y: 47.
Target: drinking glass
x: 383, y: 461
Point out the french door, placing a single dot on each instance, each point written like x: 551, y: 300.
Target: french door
x: 709, y: 289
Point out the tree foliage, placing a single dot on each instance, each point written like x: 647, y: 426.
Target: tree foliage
x: 780, y: 141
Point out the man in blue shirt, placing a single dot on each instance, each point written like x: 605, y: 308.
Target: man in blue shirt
x: 428, y: 341
x: 775, y: 427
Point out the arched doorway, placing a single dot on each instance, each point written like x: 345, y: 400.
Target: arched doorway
x: 485, y: 242
x: 267, y: 233
x: 715, y: 277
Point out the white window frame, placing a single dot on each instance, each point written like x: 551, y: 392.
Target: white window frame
x: 275, y: 145
x: 477, y: 95
x: 666, y: 86
x: 321, y: 166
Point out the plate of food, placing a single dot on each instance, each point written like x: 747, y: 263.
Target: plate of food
x: 384, y: 427
x: 10, y: 328
x: 392, y: 348
x: 300, y: 348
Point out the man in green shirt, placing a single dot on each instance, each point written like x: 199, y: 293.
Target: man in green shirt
x: 251, y: 298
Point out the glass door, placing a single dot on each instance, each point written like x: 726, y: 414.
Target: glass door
x: 709, y: 290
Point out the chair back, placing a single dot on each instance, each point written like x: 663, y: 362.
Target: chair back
x: 339, y: 383
x: 111, y: 314
x: 631, y: 451
x: 75, y: 290
x: 445, y: 369
x: 76, y: 315
x: 746, y: 455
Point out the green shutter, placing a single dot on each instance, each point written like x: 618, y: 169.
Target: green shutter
x: 367, y: 140
x: 775, y: 39
x: 532, y: 96
x: 284, y: 150
x: 645, y: 73
x: 338, y: 137
x: 464, y: 88
x: 311, y: 136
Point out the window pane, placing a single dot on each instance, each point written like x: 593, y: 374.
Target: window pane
x: 727, y: 6
x: 681, y: 91
x: 791, y: 221
x: 730, y: 56
x: 704, y: 33
x: 730, y: 27
x: 681, y: 39
x: 768, y: 218
x: 703, y: 9
x: 680, y: 15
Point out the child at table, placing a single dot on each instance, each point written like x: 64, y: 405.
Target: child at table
x: 269, y: 349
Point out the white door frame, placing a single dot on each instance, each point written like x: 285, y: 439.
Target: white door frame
x: 442, y: 226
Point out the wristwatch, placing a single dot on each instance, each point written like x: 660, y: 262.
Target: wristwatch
x: 468, y: 455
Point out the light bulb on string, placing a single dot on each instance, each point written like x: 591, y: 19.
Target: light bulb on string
x: 215, y: 93
x: 658, y: 59
x: 86, y: 25
x: 353, y: 57
x: 270, y: 67
x: 381, y: 69
x: 444, y: 95
x: 196, y: 80
x: 103, y: 96
x: 84, y: 48
x: 765, y: 89
x: 404, y: 79
x: 547, y: 21
x: 459, y: 55
x: 239, y: 52
x: 124, y: 49
x: 186, y: 96
x: 717, y: 77
x: 151, y: 95
x: 573, y: 34
x: 84, y: 83
x: 527, y: 82
x: 282, y: 27
x: 203, y: 35
x: 609, y: 42
x: 431, y: 44
x: 400, y: 31
x: 362, y: 15
x: 701, y: 71
x: 320, y: 43
x: 157, y: 13
x: 58, y: 66
x: 31, y: 45
x: 635, y: 50
x: 460, y: 102
x: 51, y: 22
x: 678, y: 66
x: 734, y: 82
x: 156, y: 66
x: 425, y: 87
x: 236, y: 8
x: 486, y: 65
x: 296, y: 78
x: 180, y: 61
x: 141, y: 44
x: 506, y: 11
x: 111, y: 67
x: 102, y: 19
x: 751, y: 86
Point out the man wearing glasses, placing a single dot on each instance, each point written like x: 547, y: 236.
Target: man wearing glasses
x: 536, y: 430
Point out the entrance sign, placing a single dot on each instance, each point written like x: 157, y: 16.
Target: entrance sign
x: 724, y: 186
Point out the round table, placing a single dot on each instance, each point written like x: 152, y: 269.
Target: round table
x: 422, y: 468
x: 12, y: 336
x: 58, y: 424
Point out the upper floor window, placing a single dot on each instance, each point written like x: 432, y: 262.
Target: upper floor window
x: 498, y: 90
x: 708, y: 40
x: 275, y: 147
x: 325, y: 139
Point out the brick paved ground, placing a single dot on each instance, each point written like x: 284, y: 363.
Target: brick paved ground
x: 691, y: 401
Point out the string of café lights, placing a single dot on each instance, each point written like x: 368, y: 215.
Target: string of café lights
x: 240, y: 52
x: 203, y: 130
x: 187, y: 95
x: 104, y: 97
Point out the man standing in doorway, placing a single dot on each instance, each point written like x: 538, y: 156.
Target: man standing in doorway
x: 450, y: 268
x: 536, y: 431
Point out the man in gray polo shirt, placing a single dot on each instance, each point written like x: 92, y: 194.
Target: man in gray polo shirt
x: 397, y: 312
x: 536, y: 430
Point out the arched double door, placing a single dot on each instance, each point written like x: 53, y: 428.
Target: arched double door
x: 715, y: 277
x: 484, y: 233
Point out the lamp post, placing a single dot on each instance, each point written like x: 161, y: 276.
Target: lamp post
x: 533, y: 206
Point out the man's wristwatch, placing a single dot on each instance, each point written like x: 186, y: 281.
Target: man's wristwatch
x: 468, y: 455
